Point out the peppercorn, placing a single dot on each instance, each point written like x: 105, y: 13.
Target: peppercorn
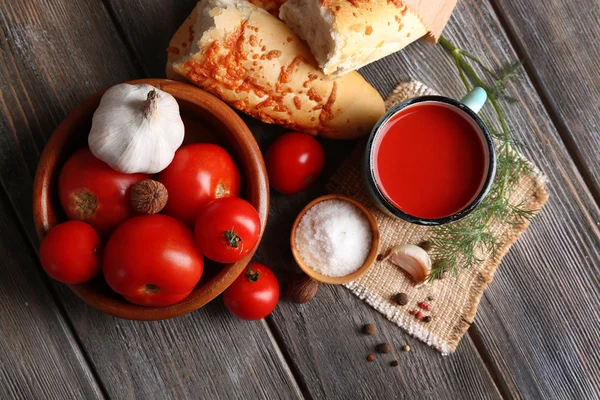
x: 394, y: 363
x: 430, y: 298
x: 369, y: 329
x: 380, y: 257
x: 427, y: 319
x: 426, y: 245
x: 406, y: 348
x: 419, y: 315
x: 402, y: 299
x: 370, y: 358
x: 424, y: 306
x: 384, y: 348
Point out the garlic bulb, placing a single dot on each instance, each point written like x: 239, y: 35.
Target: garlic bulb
x: 136, y: 129
x: 412, y: 259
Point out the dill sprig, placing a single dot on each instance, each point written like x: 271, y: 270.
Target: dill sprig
x: 463, y: 244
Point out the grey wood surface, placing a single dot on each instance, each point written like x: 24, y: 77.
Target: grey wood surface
x: 559, y: 42
x: 39, y: 355
x: 536, y: 333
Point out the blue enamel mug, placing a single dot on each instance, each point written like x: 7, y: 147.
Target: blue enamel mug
x: 467, y: 109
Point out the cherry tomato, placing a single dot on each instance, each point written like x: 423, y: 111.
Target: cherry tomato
x: 93, y: 192
x: 294, y: 161
x: 254, y: 294
x: 227, y: 229
x: 152, y: 260
x: 198, y: 174
x: 70, y: 252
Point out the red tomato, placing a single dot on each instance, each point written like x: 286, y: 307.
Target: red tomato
x: 152, y: 260
x: 198, y: 174
x: 294, y: 161
x: 93, y: 192
x: 227, y: 229
x: 254, y: 294
x: 70, y: 252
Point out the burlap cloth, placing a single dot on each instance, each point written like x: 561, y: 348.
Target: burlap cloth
x: 455, y: 298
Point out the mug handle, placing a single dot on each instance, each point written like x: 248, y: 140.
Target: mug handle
x: 475, y: 99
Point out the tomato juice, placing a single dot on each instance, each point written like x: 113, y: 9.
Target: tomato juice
x: 430, y: 160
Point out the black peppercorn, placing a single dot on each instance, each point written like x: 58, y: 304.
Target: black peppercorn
x: 379, y: 257
x: 369, y: 329
x: 394, y: 363
x: 384, y: 348
x: 402, y: 299
x: 427, y: 318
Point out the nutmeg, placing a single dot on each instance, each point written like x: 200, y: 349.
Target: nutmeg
x: 302, y: 289
x: 148, y: 196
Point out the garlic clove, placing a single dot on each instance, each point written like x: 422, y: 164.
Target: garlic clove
x: 412, y: 259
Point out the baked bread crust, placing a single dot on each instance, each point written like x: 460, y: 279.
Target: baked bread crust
x: 254, y: 62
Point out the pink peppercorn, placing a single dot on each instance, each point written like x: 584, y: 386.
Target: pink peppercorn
x: 425, y: 306
x: 419, y: 315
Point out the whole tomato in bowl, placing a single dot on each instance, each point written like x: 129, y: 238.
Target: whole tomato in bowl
x: 92, y: 192
x: 227, y: 229
x: 152, y: 260
x: 198, y: 174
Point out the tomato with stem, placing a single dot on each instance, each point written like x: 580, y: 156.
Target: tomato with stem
x: 254, y: 294
x: 227, y: 229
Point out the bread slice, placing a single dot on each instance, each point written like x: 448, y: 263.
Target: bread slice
x: 254, y: 62
x: 345, y: 35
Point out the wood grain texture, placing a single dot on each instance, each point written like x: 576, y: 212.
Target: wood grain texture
x: 55, y: 55
x: 207, y: 354
x: 39, y: 356
x: 558, y: 40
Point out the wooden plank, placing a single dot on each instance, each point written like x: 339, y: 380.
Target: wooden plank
x: 329, y: 367
x: 40, y: 357
x: 205, y: 354
x: 558, y: 40
x: 518, y: 328
x: 57, y: 54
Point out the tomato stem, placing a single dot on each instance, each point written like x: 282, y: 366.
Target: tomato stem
x: 251, y: 274
x: 233, y: 239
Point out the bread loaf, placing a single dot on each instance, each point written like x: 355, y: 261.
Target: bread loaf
x: 345, y: 35
x: 254, y: 62
x: 271, y: 6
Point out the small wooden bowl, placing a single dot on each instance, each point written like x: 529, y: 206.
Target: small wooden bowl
x: 339, y: 279
x: 206, y: 119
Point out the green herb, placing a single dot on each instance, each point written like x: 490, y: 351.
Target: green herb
x: 464, y: 243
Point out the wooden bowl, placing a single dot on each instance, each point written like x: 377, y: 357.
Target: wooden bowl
x: 339, y: 279
x: 206, y: 119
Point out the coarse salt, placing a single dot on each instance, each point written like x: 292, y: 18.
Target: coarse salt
x: 334, y: 238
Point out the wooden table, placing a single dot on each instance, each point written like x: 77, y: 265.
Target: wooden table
x: 537, y: 333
